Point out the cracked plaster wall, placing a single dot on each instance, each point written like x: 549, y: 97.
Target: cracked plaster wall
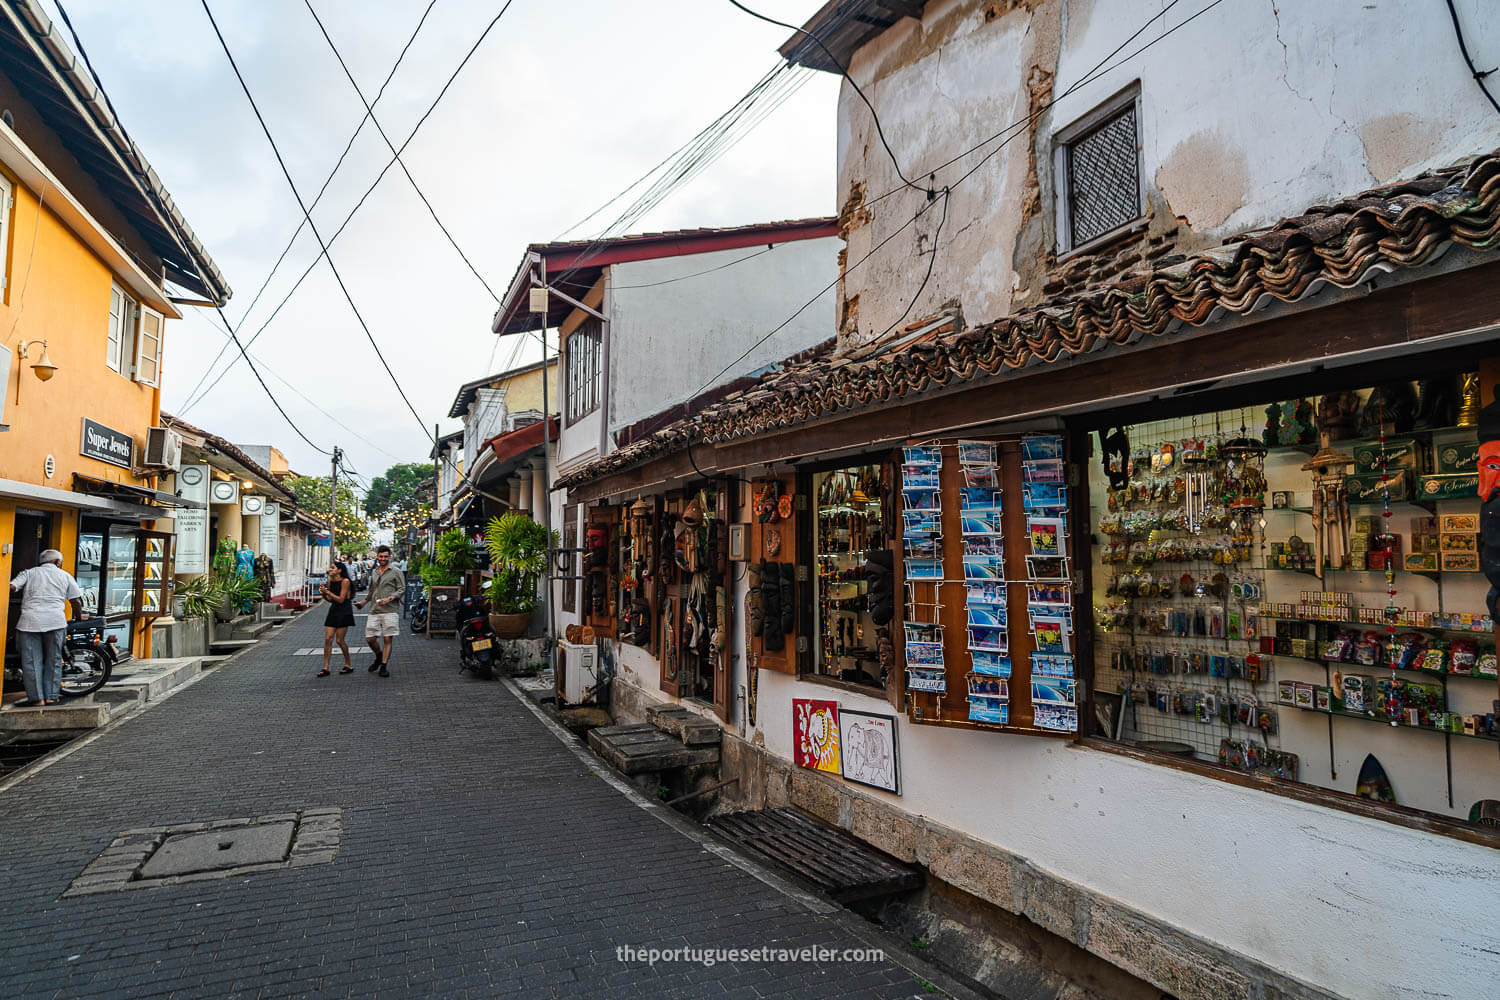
x: 1251, y: 113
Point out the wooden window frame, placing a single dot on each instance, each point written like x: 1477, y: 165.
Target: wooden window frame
x: 583, y: 370
x: 1062, y: 171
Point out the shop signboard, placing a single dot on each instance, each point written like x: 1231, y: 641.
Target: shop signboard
x: 270, y: 530
x: 191, y: 523
x: 106, y: 444
x: 224, y: 491
x: 252, y: 505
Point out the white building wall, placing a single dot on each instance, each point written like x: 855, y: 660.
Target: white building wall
x: 669, y: 339
x: 1249, y: 114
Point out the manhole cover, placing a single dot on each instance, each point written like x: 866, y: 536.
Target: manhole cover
x: 151, y: 857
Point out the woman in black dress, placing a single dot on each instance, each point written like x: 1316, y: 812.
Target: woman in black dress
x: 339, y: 593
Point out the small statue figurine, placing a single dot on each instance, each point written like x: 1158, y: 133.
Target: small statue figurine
x: 1392, y: 407
x: 1337, y: 415
x: 1468, y: 399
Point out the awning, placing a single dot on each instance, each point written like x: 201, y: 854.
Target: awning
x: 129, y: 493
x: 18, y: 490
x: 519, y: 442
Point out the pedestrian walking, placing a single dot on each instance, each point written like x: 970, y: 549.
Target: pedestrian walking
x: 387, y: 588
x: 338, y: 591
x: 42, y: 625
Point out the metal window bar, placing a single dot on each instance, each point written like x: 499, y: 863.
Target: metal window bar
x: 1104, y: 186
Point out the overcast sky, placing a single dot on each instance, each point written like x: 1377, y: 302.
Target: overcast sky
x: 563, y: 105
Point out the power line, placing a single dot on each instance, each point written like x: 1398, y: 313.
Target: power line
x: 303, y: 205
x: 1097, y: 71
x: 302, y: 223
x: 370, y: 113
x: 1464, y: 48
x: 188, y: 255
x: 880, y: 131
x: 384, y: 170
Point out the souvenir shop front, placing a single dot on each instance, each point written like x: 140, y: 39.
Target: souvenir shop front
x: 1227, y: 586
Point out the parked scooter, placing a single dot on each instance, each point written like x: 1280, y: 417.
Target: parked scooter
x: 418, y: 621
x: 476, y: 640
x: 88, y: 657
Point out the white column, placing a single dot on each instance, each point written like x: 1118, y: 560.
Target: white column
x: 524, y: 472
x: 538, y: 491
x: 513, y: 485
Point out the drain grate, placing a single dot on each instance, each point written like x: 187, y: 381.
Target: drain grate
x: 152, y: 857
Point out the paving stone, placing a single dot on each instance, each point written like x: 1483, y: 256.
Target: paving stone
x: 471, y: 853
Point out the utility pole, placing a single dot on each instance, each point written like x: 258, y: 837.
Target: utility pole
x: 547, y: 624
x: 437, y: 487
x: 333, y: 506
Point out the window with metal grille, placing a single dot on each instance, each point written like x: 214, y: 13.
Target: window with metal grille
x: 1099, y: 173
x: 583, y: 369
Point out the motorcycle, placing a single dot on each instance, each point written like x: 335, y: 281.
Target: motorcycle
x: 476, y: 640
x: 418, y: 620
x: 88, y: 658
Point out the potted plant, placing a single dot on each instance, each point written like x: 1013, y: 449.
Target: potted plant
x: 237, y: 593
x: 518, y: 555
x: 199, y: 597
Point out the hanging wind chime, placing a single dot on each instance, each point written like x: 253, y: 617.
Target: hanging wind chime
x: 1392, y: 653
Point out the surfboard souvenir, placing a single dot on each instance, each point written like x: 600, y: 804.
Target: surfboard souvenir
x: 1373, y: 783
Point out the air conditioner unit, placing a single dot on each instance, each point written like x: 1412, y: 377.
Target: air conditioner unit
x: 580, y: 671
x: 163, y: 448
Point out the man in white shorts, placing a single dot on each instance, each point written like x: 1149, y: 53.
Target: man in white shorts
x: 387, y: 588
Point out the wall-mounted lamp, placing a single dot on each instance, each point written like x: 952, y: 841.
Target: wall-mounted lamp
x: 44, y: 368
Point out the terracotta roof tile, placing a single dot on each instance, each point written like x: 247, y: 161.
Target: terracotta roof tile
x: 1401, y: 225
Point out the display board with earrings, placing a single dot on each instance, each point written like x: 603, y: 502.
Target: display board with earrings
x: 848, y: 532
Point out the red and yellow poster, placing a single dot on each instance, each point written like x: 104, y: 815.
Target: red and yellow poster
x: 815, y: 734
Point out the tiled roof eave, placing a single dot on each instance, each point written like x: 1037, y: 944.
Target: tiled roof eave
x: 1400, y: 226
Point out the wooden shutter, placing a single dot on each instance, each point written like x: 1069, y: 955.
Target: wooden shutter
x: 148, y: 348
x: 116, y: 307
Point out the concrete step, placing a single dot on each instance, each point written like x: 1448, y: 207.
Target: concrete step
x: 230, y: 646
x: 213, y: 661
x: 120, y: 701
x: 253, y: 630
x: 154, y: 678
x: 638, y: 748
x: 271, y: 612
x: 71, y: 714
x: 226, y: 630
x: 688, y: 726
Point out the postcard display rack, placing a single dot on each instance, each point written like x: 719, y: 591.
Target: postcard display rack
x: 988, y: 627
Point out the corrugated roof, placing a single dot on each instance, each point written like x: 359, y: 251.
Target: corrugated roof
x: 42, y: 66
x: 843, y: 26
x: 578, y: 263
x: 1396, y: 226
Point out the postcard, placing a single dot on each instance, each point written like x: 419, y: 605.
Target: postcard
x: 990, y: 663
x: 1048, y: 594
x: 1053, y: 690
x: 924, y: 569
x: 921, y: 548
x: 976, y: 452
x: 981, y: 525
x: 1047, y: 567
x: 926, y: 679
x: 929, y: 653
x: 985, y: 545
x: 1035, y: 446
x: 921, y: 521
x: 972, y: 498
x: 982, y: 476
x: 988, y: 615
x: 917, y: 477
x: 1047, y: 470
x: 1046, y: 535
x: 1051, y: 665
x: 983, y: 637
x: 1051, y: 634
x: 990, y: 711
x: 922, y: 454
x: 1044, y: 496
x: 983, y: 568
x: 985, y: 593
x: 1063, y: 718
x: 988, y: 687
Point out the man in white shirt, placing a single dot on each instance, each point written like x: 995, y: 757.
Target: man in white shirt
x: 42, y: 625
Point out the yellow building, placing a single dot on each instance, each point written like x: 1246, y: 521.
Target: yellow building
x: 89, y: 240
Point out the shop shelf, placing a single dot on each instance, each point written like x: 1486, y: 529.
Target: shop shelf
x: 1341, y: 713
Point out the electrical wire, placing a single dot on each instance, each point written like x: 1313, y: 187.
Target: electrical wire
x: 370, y: 113
x: 843, y: 72
x: 302, y: 223
x: 191, y: 259
x: 1464, y: 48
x: 1093, y: 74
x: 381, y: 176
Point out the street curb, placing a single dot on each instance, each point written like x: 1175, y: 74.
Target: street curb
x: 896, y: 951
x: 41, y: 764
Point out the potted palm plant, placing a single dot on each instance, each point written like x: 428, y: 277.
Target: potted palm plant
x: 199, y: 597
x: 518, y: 556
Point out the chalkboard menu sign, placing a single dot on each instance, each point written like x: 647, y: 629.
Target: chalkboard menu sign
x: 442, y: 610
x: 414, y: 588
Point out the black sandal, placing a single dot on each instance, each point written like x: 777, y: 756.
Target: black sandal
x: 322, y: 673
x: 346, y: 669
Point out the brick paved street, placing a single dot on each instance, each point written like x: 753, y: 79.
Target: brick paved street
x: 479, y: 855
